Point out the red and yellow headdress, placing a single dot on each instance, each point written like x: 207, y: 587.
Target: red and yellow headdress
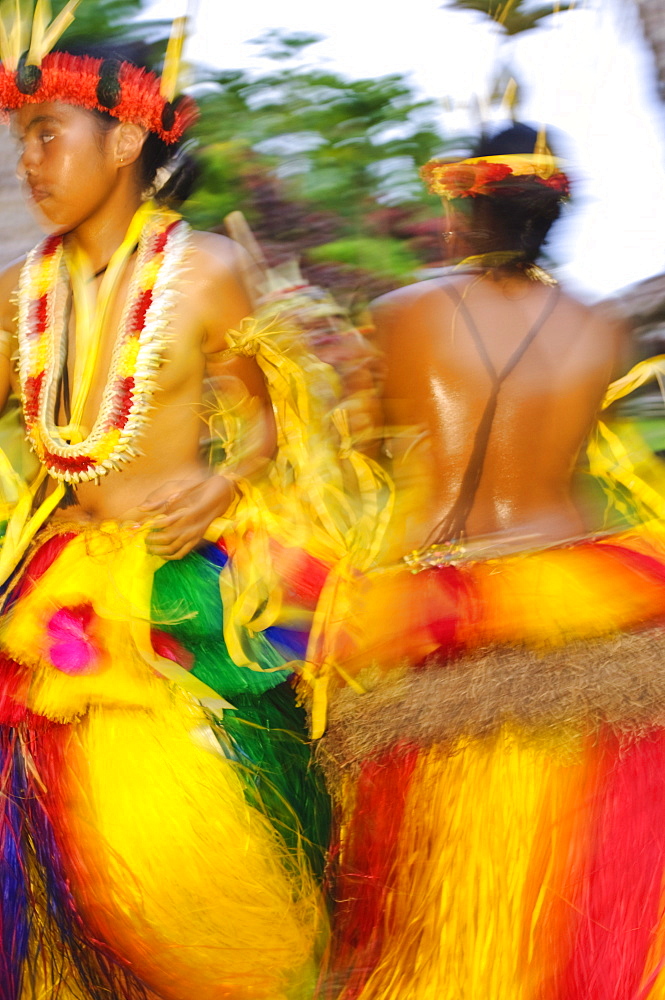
x: 31, y: 74
x: 486, y: 175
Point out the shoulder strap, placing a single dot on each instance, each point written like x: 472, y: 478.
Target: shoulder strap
x: 517, y: 355
x: 454, y: 523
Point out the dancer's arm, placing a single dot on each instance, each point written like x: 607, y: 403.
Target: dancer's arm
x: 8, y: 285
x: 182, y: 519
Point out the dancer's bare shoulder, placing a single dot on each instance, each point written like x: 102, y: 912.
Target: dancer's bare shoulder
x: 401, y: 300
x: 420, y: 311
x: 217, y: 275
x: 216, y: 253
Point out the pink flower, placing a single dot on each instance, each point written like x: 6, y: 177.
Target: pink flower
x: 72, y: 648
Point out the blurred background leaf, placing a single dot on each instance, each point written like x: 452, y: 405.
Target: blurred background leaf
x: 317, y: 160
x: 115, y: 21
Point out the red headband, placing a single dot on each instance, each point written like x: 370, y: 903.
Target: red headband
x: 127, y: 92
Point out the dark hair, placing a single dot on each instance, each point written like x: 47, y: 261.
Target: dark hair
x: 183, y: 168
x: 519, y: 213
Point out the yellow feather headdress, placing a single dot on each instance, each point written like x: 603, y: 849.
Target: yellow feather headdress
x: 32, y: 74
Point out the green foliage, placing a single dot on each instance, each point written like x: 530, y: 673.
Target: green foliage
x: 339, y: 141
x: 278, y: 46
x: 223, y: 166
x: 378, y: 255
x: 311, y: 156
x: 104, y: 20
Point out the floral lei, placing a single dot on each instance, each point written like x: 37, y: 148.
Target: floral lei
x: 137, y: 354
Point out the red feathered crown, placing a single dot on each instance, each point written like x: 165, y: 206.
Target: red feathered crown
x: 485, y: 175
x: 120, y: 89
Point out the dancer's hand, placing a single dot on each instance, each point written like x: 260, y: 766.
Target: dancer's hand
x: 179, y: 521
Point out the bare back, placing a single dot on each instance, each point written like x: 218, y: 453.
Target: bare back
x: 441, y: 374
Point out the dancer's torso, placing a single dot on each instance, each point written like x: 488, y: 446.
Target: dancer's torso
x: 169, y: 447
x: 170, y: 442
x: 545, y: 409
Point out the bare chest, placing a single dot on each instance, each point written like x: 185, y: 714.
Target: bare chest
x: 174, y: 360
x: 92, y: 359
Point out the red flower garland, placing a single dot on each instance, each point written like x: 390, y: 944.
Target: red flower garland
x: 110, y: 440
x: 75, y: 80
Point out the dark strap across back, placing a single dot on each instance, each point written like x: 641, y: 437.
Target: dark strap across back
x: 454, y: 523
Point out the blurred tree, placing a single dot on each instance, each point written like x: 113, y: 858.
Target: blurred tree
x: 311, y: 157
x: 644, y: 303
x: 513, y: 16
x: 106, y: 20
x: 652, y: 16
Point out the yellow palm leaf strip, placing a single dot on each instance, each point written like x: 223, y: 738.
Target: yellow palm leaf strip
x: 40, y: 22
x: 16, y: 17
x: 135, y: 560
x: 5, y: 54
x: 333, y: 611
x: 91, y: 316
x: 622, y: 470
x: 638, y: 375
x: 45, y: 36
x: 22, y: 527
x: 376, y: 498
x: 172, y: 60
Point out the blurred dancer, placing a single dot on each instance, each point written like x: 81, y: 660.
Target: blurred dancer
x: 497, y: 752
x: 149, y: 847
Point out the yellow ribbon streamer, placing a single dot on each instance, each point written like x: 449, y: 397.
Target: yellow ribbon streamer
x: 306, y: 502
x: 632, y: 479
x: 92, y: 313
x: 90, y: 323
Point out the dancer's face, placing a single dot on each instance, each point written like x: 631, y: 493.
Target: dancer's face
x: 68, y: 163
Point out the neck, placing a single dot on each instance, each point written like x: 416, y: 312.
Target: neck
x: 100, y: 235
x: 507, y: 264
